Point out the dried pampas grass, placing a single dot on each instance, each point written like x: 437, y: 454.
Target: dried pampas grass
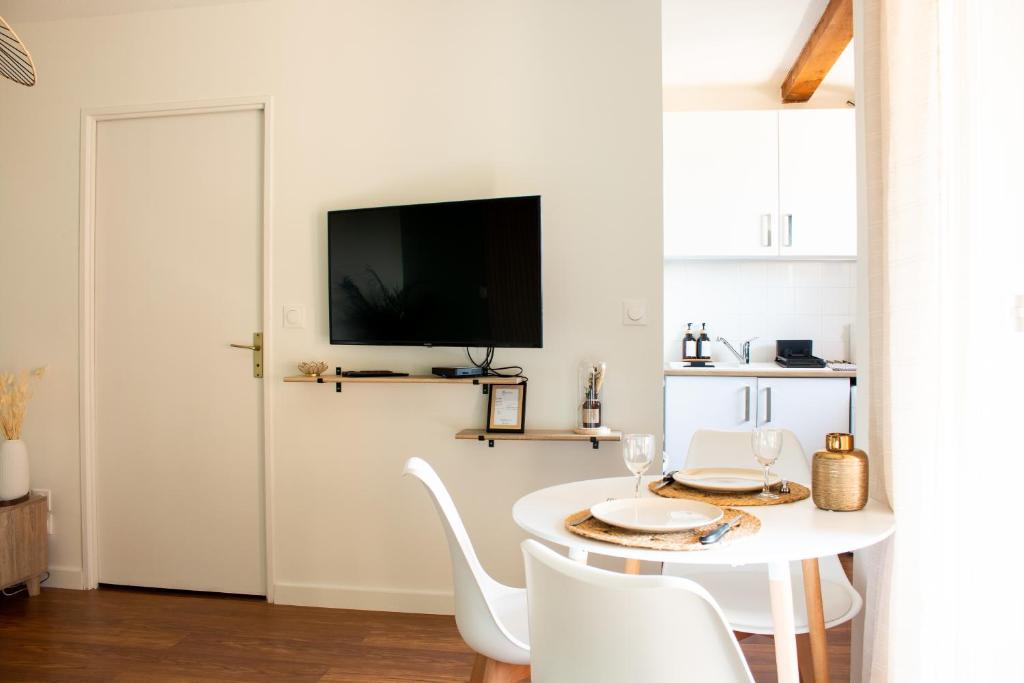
x: 15, y: 392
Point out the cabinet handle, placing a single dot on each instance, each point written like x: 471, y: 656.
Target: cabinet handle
x: 788, y: 239
x: 767, y: 405
x: 766, y: 230
x: 746, y: 404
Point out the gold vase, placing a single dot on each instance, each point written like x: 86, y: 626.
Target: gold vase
x: 839, y: 475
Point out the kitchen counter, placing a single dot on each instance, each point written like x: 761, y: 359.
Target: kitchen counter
x: 733, y: 369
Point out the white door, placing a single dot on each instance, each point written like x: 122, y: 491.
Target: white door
x: 810, y: 408
x: 817, y: 183
x: 179, y: 447
x: 721, y: 193
x: 693, y: 403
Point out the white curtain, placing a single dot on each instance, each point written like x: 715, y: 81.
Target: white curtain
x: 942, y: 105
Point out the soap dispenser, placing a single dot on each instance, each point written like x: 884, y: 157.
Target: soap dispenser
x: 689, y: 343
x: 703, y: 342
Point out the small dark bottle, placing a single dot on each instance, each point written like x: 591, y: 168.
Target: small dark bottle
x: 591, y: 411
x: 689, y: 343
x: 703, y: 342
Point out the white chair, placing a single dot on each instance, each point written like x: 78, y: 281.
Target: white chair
x: 491, y: 617
x: 742, y: 592
x: 594, y: 626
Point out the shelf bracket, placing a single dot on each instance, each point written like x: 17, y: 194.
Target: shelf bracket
x: 485, y: 387
x: 337, y: 385
x: 594, y: 443
x: 490, y: 442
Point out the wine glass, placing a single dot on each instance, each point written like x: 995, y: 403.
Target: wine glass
x: 637, y: 453
x: 766, y: 443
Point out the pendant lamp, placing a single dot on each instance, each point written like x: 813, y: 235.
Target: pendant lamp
x: 15, y: 61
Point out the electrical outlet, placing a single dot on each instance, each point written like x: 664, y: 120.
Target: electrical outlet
x: 49, y: 508
x: 46, y: 493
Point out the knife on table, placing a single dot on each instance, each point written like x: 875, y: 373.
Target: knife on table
x: 587, y: 516
x: 666, y: 480
x: 716, y: 534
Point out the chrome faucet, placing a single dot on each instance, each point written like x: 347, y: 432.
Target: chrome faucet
x: 743, y: 357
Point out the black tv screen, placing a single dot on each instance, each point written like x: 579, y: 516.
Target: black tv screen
x: 447, y: 274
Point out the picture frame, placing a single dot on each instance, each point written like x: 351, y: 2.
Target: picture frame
x: 506, y: 408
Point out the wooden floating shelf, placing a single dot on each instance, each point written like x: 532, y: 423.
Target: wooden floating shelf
x: 537, y: 435
x: 411, y: 379
x: 337, y: 380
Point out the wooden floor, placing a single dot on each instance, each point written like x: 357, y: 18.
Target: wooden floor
x: 132, y: 636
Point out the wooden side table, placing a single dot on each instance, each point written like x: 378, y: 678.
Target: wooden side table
x: 23, y: 543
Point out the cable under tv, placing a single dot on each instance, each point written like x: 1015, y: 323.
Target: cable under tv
x: 470, y: 371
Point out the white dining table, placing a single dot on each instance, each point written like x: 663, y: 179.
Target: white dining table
x: 790, y: 532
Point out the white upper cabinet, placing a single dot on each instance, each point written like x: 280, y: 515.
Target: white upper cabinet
x: 760, y: 184
x: 817, y: 183
x: 721, y: 173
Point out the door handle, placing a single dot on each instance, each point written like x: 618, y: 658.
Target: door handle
x: 788, y: 239
x: 767, y: 405
x: 746, y: 403
x: 766, y: 230
x: 257, y: 353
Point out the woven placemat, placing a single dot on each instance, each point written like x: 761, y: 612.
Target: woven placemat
x: 677, y: 490
x: 677, y: 540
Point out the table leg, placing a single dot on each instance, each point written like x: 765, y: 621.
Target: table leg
x: 780, y: 591
x: 815, y: 620
x: 578, y: 555
x: 632, y: 567
x: 32, y: 585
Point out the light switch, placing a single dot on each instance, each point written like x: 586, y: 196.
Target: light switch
x: 634, y: 311
x: 294, y: 316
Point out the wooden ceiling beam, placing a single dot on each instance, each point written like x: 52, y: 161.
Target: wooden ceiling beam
x: 828, y: 40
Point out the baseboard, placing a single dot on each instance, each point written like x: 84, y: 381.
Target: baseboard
x: 375, y: 599
x: 64, y: 577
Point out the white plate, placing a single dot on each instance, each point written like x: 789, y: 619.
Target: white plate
x: 656, y: 514
x: 732, y: 479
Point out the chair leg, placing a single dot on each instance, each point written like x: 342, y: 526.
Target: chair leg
x: 502, y: 672
x: 478, y: 669
x: 804, y: 658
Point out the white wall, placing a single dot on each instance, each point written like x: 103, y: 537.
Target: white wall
x: 728, y: 97
x: 767, y: 299
x: 375, y: 103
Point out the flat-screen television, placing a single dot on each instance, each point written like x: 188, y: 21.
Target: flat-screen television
x: 462, y: 273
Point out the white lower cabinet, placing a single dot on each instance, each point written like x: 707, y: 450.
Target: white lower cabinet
x: 809, y: 407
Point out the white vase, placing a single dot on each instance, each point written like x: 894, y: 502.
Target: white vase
x: 13, y: 469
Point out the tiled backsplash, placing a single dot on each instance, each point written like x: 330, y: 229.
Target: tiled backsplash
x: 766, y: 299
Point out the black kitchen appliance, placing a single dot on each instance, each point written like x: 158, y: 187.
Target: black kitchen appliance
x: 796, y: 353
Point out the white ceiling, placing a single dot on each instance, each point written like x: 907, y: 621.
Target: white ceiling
x: 705, y: 43
x: 740, y: 42
x: 16, y: 11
